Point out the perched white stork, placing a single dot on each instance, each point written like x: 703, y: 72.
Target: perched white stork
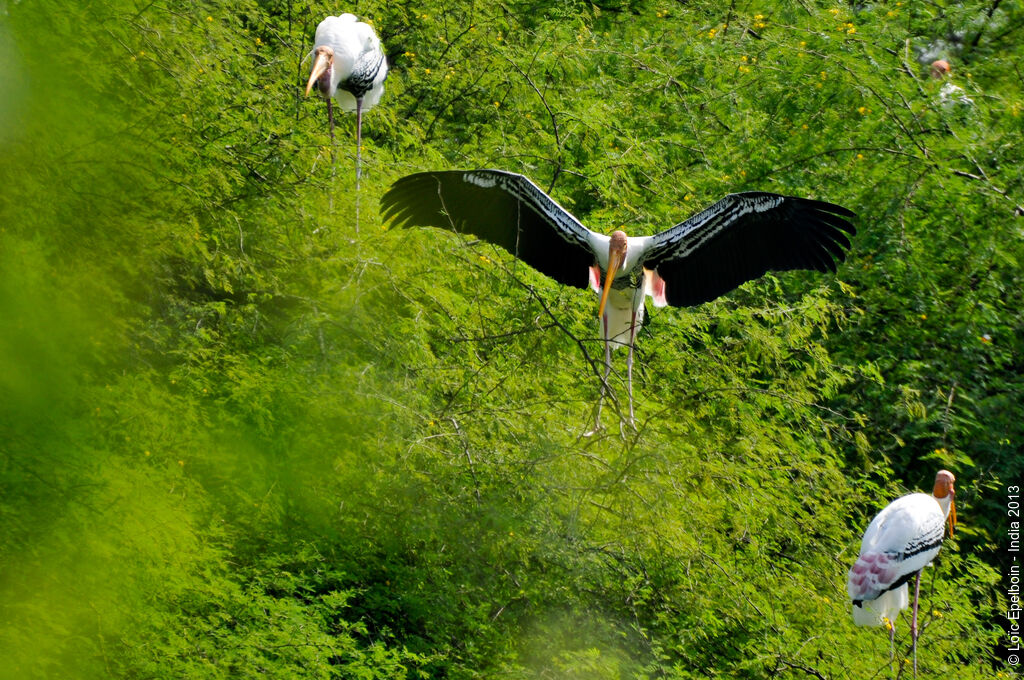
x: 900, y: 541
x: 348, y: 65
x: 737, y: 239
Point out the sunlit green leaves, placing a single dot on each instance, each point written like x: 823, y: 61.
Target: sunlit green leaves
x: 245, y: 434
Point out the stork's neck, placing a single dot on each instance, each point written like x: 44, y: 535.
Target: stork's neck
x: 945, y: 504
x: 628, y: 278
x: 327, y: 83
x: 633, y: 250
x: 636, y: 251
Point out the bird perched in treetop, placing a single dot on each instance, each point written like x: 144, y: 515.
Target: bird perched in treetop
x: 939, y: 68
x: 348, y: 65
x: 901, y: 540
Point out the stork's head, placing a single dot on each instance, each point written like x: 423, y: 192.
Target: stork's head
x: 616, y: 256
x: 940, y: 67
x: 323, y: 64
x: 944, y: 489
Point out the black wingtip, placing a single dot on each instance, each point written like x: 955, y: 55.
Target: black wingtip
x: 397, y: 204
x: 825, y: 206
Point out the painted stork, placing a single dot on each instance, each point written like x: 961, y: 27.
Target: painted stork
x: 939, y: 69
x: 899, y: 543
x: 737, y: 239
x: 348, y: 65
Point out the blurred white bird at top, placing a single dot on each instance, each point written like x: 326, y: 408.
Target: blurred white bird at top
x: 950, y: 94
x: 348, y: 65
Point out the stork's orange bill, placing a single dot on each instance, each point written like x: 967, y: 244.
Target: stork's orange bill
x: 617, y: 244
x: 952, y: 516
x: 614, y: 260
x: 323, y: 61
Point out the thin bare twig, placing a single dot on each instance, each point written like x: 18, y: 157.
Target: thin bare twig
x: 554, y: 122
x: 1018, y: 210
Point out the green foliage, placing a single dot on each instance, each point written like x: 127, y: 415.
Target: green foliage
x: 246, y: 430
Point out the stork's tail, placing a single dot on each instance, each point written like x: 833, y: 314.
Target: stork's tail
x: 886, y: 606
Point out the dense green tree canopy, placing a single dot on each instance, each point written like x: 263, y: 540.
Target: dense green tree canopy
x: 246, y: 430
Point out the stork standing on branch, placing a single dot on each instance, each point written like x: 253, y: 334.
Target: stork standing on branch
x: 348, y: 65
x: 737, y: 239
x: 899, y: 543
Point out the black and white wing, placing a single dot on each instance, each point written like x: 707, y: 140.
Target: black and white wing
x: 900, y: 541
x: 741, y: 237
x: 503, y: 208
x: 369, y: 71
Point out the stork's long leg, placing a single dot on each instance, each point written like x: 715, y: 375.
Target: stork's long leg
x: 892, y: 642
x: 330, y: 121
x: 607, y: 373
x: 358, y: 141
x: 629, y: 367
x: 359, y: 153
x: 913, y: 621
